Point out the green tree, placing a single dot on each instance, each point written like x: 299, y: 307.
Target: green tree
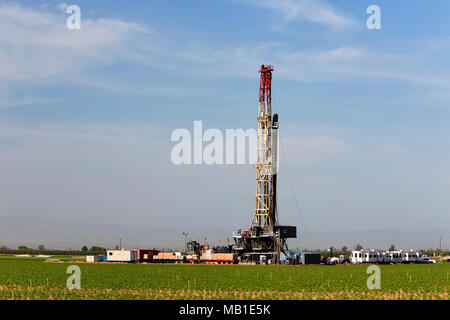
x: 84, y: 248
x: 358, y: 247
x: 344, y: 249
x: 23, y: 248
x: 41, y: 247
x: 392, y: 247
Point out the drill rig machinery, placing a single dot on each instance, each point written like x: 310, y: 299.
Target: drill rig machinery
x: 265, y: 240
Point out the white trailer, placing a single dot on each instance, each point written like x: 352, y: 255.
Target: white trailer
x: 378, y: 256
x: 121, y: 255
x: 412, y: 256
x: 366, y: 256
x: 357, y: 256
x: 94, y: 258
x: 395, y: 256
x: 386, y: 257
x: 370, y: 256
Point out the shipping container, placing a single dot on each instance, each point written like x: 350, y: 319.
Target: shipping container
x: 166, y: 256
x: 310, y: 258
x: 146, y: 255
x: 122, y: 256
x: 206, y: 255
x: 170, y: 257
x: 209, y: 257
x: 94, y: 258
x: 223, y: 256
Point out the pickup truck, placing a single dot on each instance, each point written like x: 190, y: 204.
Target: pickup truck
x: 428, y: 260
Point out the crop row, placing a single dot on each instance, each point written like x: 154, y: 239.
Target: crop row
x: 36, y: 277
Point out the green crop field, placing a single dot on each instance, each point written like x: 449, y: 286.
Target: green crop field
x: 34, y: 278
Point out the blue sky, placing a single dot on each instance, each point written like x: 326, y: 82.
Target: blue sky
x: 86, y: 115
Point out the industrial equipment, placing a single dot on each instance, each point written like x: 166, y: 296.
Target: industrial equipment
x: 201, y: 253
x: 265, y: 240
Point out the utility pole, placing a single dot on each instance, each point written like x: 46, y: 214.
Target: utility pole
x: 185, y: 235
x: 440, y: 246
x: 120, y: 243
x: 330, y: 250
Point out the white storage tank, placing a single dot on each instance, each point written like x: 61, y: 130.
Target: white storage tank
x: 121, y: 256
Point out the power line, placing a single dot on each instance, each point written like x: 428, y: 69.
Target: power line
x: 293, y: 192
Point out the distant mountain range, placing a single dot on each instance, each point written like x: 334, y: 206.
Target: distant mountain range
x: 59, y: 234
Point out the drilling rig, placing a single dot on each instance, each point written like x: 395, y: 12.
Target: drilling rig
x: 265, y: 239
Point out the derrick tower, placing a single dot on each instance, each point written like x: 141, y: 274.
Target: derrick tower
x: 265, y: 240
x: 267, y: 150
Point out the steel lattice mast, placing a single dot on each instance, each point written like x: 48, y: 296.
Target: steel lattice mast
x: 265, y: 212
x: 265, y: 240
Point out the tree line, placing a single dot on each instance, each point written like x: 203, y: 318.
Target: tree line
x: 94, y: 250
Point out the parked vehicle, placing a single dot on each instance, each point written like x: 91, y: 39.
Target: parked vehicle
x: 428, y: 260
x: 378, y: 256
x: 262, y: 259
x: 412, y: 256
x: 334, y: 260
x: 366, y: 256
x: 395, y: 256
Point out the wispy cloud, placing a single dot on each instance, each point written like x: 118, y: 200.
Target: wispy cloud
x: 352, y: 64
x: 315, y: 11
x: 8, y: 98
x: 36, y: 44
x: 335, y: 65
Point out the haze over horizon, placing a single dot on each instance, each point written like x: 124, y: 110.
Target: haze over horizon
x: 70, y: 235
x: 86, y: 118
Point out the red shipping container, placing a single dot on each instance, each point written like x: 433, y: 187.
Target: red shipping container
x: 146, y: 255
